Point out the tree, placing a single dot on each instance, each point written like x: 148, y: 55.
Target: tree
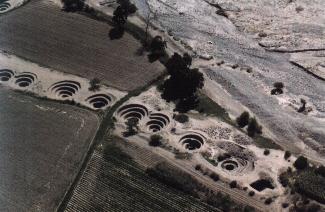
x: 243, y: 119
x: 155, y: 140
x: 120, y: 16
x: 183, y: 82
x: 303, y: 106
x: 266, y: 152
x: 233, y: 184
x: 94, y: 84
x: 122, y: 12
x: 278, y: 88
x: 287, y: 155
x: 132, y: 127
x: 73, y: 5
x: 301, y: 163
x: 253, y: 128
x: 157, y: 48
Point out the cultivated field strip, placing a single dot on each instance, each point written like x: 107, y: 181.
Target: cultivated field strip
x: 41, y: 32
x: 110, y: 184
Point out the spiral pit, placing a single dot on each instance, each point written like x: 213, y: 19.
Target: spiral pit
x: 6, y: 75
x: 25, y: 79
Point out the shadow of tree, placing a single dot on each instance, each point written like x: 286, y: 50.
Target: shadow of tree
x: 73, y: 5
x: 116, y: 33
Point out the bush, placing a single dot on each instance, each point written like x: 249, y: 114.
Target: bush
x: 268, y: 201
x: 155, y: 140
x: 253, y: 128
x: 94, y: 84
x: 132, y: 127
x: 251, y: 193
x: 181, y: 118
x: 266, y: 152
x: 278, y: 85
x: 243, y: 119
x: 278, y: 88
x: 198, y: 167
x: 287, y: 155
x: 73, y: 5
x: 301, y: 163
x: 233, y: 184
x: 214, y: 176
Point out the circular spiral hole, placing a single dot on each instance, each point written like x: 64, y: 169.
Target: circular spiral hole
x: 6, y: 75
x: 157, y: 122
x: 66, y: 88
x: 133, y: 111
x: 25, y: 79
x: 4, y: 5
x: 192, y: 141
x: 99, y: 101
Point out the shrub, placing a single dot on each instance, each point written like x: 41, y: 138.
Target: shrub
x: 214, y: 176
x: 155, y: 140
x: 198, y: 167
x: 243, y: 119
x: 132, y: 127
x: 266, y: 152
x: 287, y: 155
x: 94, y: 84
x: 301, y: 163
x: 181, y: 118
x: 233, y: 184
x: 251, y: 193
x: 73, y: 5
x: 268, y: 201
x: 285, y: 205
x: 278, y: 85
x: 253, y: 128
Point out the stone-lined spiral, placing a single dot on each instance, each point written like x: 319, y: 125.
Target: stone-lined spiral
x: 6, y: 75
x: 4, y: 5
x: 157, y: 122
x: 99, y: 101
x: 136, y: 111
x: 66, y: 88
x: 25, y: 79
x: 236, y: 166
x: 192, y: 141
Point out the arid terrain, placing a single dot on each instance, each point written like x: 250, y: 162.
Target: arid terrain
x: 162, y: 105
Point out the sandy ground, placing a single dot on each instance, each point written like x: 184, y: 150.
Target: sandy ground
x: 42, y: 146
x: 68, y: 42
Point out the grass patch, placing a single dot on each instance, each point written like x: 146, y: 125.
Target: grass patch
x: 265, y: 143
x: 209, y: 107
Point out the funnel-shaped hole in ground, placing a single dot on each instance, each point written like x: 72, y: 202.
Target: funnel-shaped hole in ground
x: 25, y: 79
x: 6, y: 75
x: 192, y: 141
x: 99, y: 100
x: 133, y: 110
x: 66, y: 88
